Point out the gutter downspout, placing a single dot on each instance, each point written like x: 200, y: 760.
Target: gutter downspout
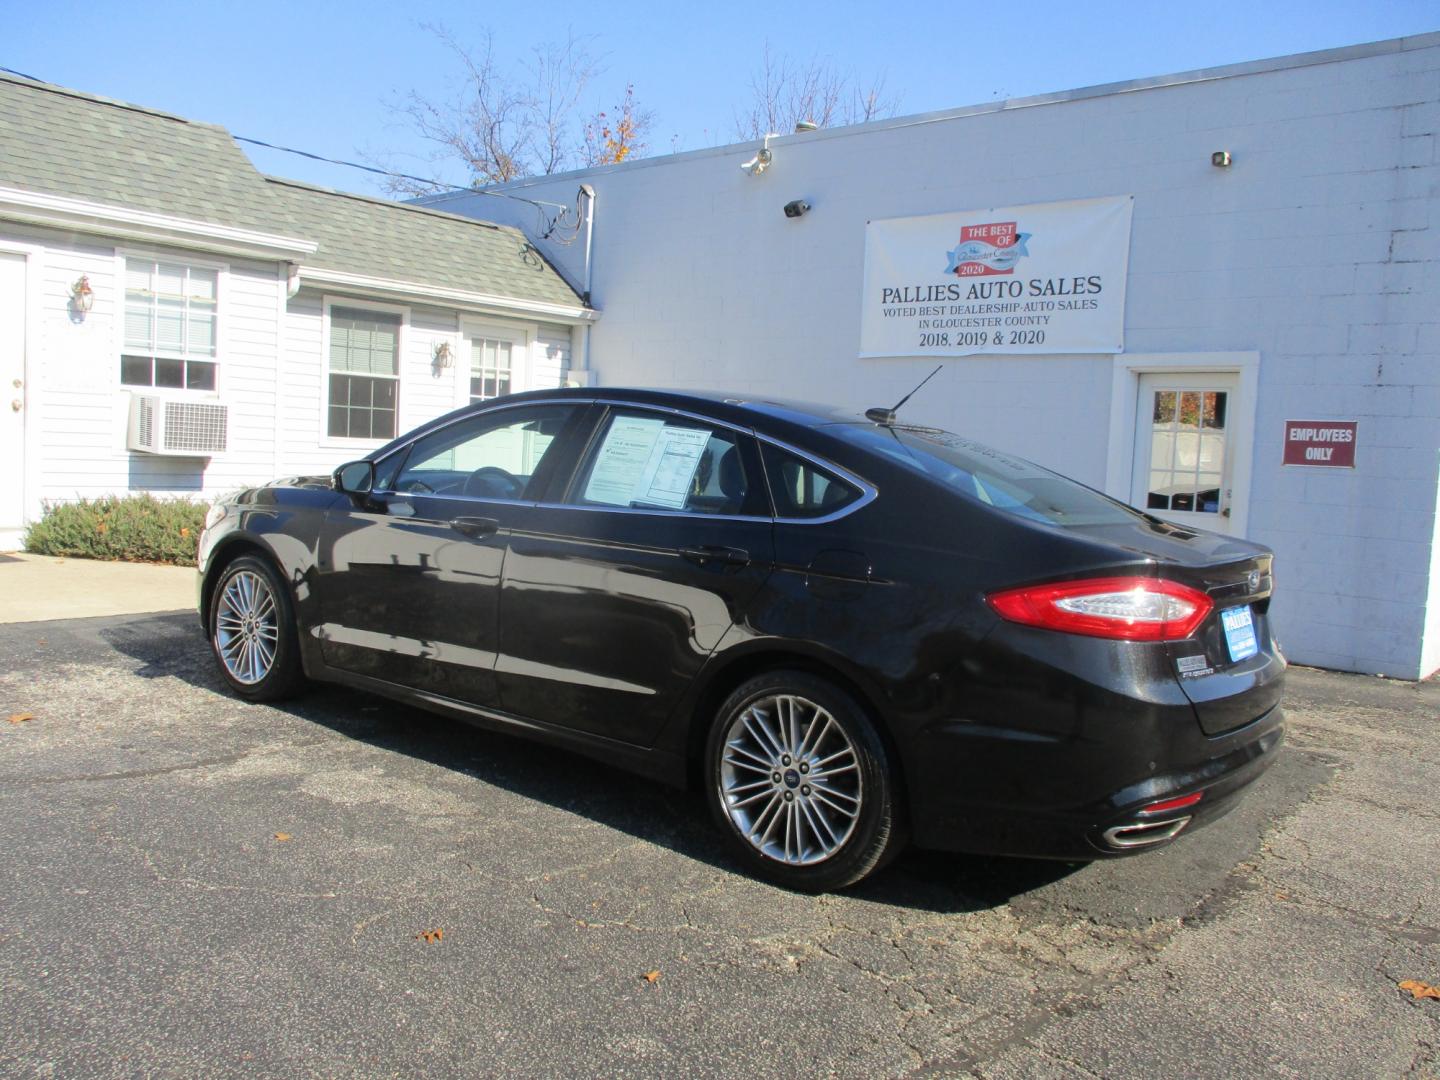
x: 589, y: 194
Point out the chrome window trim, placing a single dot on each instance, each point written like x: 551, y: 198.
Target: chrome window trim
x: 868, y: 492
x: 406, y: 447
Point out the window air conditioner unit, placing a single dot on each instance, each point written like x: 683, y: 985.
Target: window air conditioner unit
x: 176, y: 428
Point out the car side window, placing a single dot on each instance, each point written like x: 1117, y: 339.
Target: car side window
x: 653, y: 461
x: 491, y: 456
x: 802, y: 489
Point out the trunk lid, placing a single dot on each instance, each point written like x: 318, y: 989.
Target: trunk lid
x: 1232, y: 675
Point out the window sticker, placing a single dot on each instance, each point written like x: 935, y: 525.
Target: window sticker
x: 622, y: 460
x: 671, y: 468
x: 643, y: 462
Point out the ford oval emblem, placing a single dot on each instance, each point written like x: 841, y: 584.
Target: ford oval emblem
x: 1254, y: 580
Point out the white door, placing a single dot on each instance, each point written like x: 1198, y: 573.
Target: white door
x: 1184, y: 448
x: 12, y: 399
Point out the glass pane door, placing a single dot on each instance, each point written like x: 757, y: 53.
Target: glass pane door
x: 1182, y: 458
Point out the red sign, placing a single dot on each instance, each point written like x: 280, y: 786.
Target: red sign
x: 1327, y: 443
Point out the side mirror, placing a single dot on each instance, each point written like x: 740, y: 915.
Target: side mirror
x: 355, y: 478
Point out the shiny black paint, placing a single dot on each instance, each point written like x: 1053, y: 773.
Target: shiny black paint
x: 590, y: 628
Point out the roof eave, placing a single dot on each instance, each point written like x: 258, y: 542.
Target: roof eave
x: 83, y: 215
x: 414, y: 292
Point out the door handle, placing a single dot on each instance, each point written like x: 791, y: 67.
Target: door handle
x: 477, y: 528
x: 722, y: 556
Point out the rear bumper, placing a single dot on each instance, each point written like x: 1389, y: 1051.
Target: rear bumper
x: 1107, y: 820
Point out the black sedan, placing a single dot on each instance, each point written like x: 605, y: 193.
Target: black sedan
x: 849, y: 632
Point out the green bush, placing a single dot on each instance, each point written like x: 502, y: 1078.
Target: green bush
x: 133, y: 528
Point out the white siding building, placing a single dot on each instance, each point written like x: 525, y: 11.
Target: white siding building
x: 1301, y: 281
x: 287, y: 328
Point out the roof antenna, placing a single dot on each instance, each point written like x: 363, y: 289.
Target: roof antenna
x: 886, y: 417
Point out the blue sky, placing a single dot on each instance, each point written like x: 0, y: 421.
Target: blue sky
x: 316, y: 75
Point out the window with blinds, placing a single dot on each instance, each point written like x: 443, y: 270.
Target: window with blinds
x: 171, y: 320
x: 490, y: 368
x: 364, y: 373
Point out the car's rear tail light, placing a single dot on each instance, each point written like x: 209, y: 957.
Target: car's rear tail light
x: 1127, y: 608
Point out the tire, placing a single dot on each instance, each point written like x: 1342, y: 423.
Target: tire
x: 762, y: 754
x: 252, y: 631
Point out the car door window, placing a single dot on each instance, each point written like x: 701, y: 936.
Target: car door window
x: 802, y: 489
x: 662, y: 462
x: 490, y: 456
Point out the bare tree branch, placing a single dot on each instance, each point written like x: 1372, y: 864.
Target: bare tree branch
x: 785, y: 92
x: 502, y: 124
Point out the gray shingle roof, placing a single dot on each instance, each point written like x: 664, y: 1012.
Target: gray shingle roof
x: 400, y: 242
x: 61, y: 142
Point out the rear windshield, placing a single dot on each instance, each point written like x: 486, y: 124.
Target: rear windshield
x: 996, y: 479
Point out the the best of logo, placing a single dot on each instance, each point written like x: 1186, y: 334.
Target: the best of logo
x: 987, y: 250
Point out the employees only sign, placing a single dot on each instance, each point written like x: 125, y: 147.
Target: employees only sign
x: 1044, y: 278
x: 1326, y: 443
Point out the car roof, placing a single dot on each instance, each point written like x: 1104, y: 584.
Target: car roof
x: 717, y: 402
x: 775, y: 417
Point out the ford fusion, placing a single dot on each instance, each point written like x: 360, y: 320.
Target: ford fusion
x: 848, y: 632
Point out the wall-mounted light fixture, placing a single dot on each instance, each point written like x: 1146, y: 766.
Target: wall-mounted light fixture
x: 82, y: 296
x: 444, y: 356
x: 762, y: 159
x: 1220, y: 159
x: 797, y: 208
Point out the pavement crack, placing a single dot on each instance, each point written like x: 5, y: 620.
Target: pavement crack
x: 160, y: 770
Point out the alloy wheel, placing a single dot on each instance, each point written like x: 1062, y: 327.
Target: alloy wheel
x: 790, y: 779
x: 247, y: 627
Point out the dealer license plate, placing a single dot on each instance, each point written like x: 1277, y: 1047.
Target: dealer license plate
x: 1239, y: 632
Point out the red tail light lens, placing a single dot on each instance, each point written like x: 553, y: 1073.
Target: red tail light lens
x: 1125, y: 608
x: 1173, y: 804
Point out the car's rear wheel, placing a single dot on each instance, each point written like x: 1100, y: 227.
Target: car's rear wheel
x: 801, y: 782
x: 252, y: 630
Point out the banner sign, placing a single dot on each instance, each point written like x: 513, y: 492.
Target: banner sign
x: 1045, y: 278
x: 1327, y: 443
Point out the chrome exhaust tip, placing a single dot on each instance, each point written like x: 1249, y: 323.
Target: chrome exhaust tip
x: 1144, y: 833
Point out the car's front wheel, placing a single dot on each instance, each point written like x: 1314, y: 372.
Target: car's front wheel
x: 801, y: 782
x: 252, y: 630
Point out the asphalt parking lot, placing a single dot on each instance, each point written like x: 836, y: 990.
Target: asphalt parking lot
x: 342, y: 887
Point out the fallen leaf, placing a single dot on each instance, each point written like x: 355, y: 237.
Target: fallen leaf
x: 651, y: 976
x: 1421, y: 990
x: 20, y: 717
x: 281, y: 837
x: 431, y: 935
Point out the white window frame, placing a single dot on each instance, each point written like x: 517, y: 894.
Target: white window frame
x: 521, y: 339
x: 1124, y: 400
x: 222, y: 306
x: 334, y: 442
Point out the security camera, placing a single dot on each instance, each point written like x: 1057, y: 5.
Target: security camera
x: 759, y: 163
x: 797, y: 208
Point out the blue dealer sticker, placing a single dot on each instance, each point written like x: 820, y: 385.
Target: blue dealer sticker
x: 1239, y: 632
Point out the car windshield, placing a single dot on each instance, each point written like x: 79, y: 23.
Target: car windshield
x: 996, y: 479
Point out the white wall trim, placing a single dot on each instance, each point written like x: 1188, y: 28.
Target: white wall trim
x: 416, y: 292
x: 1124, y: 390
x: 67, y: 213
x: 30, y: 501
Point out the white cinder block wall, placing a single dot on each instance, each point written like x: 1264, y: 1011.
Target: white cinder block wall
x: 1318, y: 249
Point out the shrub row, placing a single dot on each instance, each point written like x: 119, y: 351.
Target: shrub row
x: 133, y: 528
